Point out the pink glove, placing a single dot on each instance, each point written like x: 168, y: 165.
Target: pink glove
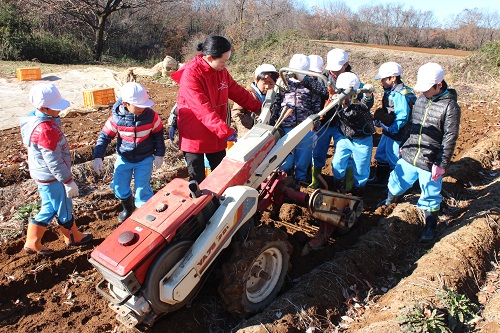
x: 437, y: 172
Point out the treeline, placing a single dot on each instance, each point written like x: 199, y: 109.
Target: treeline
x: 80, y: 31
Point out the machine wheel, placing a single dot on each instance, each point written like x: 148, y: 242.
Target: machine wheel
x: 161, y: 265
x: 256, y: 271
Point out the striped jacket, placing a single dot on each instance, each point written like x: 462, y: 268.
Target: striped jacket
x: 137, y: 137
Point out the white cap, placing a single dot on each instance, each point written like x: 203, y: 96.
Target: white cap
x: 264, y: 68
x: 136, y: 94
x: 347, y: 80
x: 46, y: 95
x: 428, y: 75
x: 315, y: 63
x: 389, y: 69
x: 299, y: 61
x: 335, y: 59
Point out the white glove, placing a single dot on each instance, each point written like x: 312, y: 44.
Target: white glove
x: 369, y: 87
x: 98, y: 167
x: 158, y: 161
x: 71, y: 189
x: 300, y: 77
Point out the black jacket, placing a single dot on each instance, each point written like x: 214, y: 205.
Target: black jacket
x: 433, y: 131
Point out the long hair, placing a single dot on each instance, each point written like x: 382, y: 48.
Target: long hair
x: 214, y: 46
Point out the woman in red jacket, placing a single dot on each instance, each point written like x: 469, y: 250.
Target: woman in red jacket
x: 202, y: 120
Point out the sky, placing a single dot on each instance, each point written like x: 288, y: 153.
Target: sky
x: 441, y: 8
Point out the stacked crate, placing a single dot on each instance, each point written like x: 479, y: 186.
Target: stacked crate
x: 28, y: 74
x: 97, y: 97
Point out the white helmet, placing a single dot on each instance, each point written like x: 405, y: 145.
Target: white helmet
x: 389, y: 69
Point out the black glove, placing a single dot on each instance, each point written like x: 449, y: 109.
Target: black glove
x: 171, y: 132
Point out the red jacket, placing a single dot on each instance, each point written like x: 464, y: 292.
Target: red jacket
x: 202, y: 106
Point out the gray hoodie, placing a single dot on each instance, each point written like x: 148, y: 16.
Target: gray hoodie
x: 49, y: 157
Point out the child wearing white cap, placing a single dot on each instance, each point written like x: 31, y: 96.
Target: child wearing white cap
x: 428, y: 147
x: 397, y: 103
x: 337, y: 62
x: 353, y: 142
x: 299, y: 103
x: 139, y: 145
x: 265, y: 77
x: 49, y: 163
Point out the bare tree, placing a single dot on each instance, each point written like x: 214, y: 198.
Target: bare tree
x: 94, y: 13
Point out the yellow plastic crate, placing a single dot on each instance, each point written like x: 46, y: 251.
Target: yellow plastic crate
x: 28, y: 73
x: 95, y: 97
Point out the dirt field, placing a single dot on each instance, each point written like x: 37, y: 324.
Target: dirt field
x: 359, y: 283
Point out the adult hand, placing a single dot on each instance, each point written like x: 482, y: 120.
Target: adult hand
x: 158, y: 161
x: 98, y: 167
x: 436, y: 172
x: 171, y: 132
x: 232, y: 137
x: 71, y: 189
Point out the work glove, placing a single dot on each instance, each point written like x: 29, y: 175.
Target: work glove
x: 98, y: 167
x: 171, y: 132
x: 378, y: 123
x: 158, y: 161
x: 232, y: 137
x: 71, y: 189
x: 436, y: 172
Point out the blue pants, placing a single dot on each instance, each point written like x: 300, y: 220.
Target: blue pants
x: 300, y: 156
x: 361, y: 151
x: 142, y: 179
x: 322, y: 140
x: 54, y: 202
x: 405, y: 175
x: 387, y: 151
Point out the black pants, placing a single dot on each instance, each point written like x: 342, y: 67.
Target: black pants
x: 196, y: 163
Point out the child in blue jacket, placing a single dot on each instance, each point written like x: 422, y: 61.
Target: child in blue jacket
x: 139, y: 145
x: 49, y: 163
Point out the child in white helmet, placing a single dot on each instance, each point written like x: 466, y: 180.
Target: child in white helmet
x: 396, y: 108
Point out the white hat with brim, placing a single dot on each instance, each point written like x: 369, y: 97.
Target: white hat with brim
x: 389, y: 69
x: 335, y: 59
x: 347, y: 80
x: 428, y: 75
x: 264, y: 68
x: 136, y: 94
x: 299, y: 61
x: 315, y: 63
x: 46, y: 95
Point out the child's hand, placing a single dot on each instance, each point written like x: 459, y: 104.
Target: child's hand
x: 436, y: 172
x: 158, y: 161
x: 98, y: 167
x: 71, y: 189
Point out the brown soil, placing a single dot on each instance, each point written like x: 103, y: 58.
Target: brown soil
x: 376, y: 266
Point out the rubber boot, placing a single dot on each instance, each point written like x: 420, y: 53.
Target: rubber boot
x: 339, y: 185
x: 128, y: 208
x: 33, y: 244
x: 73, y: 237
x: 321, y: 238
x: 389, y: 200
x: 349, y: 179
x: 381, y: 175
x: 430, y: 227
x: 315, y: 172
x: 358, y: 191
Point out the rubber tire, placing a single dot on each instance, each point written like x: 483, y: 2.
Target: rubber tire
x: 237, y: 296
x: 160, y: 266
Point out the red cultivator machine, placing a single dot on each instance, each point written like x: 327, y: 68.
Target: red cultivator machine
x: 155, y: 261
